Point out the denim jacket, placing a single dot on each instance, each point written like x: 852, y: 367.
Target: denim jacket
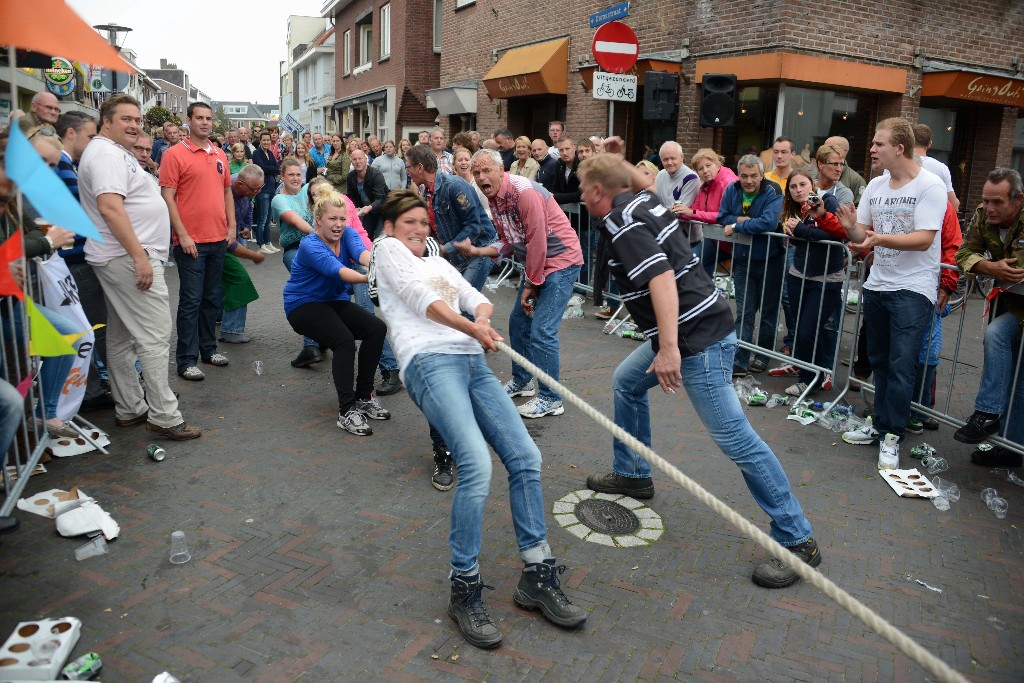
x: 764, y: 217
x: 458, y: 214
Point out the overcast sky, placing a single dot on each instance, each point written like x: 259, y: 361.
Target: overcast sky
x: 230, y: 50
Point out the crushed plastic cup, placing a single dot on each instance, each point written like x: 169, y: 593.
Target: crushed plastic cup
x: 1012, y: 477
x: 96, y: 546
x: 998, y: 506
x: 940, y: 503
x: 777, y: 400
x: 988, y: 494
x: 179, y: 549
x: 934, y: 464
x: 948, y: 489
x: 258, y: 367
x: 573, y: 312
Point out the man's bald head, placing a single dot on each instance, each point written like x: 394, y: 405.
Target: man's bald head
x: 45, y: 108
x: 839, y: 142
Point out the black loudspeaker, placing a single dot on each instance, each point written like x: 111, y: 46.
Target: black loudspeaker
x: 661, y: 96
x: 718, y: 100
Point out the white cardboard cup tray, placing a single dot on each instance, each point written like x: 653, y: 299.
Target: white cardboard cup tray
x: 19, y: 659
x: 909, y: 483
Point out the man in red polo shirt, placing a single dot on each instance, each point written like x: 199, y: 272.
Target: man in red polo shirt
x: 195, y: 182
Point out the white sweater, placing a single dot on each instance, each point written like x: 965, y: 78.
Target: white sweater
x: 406, y: 286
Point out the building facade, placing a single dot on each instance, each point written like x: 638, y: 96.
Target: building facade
x: 803, y: 71
x: 313, y: 83
x: 387, y: 57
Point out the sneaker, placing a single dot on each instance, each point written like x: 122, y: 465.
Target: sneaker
x: 539, y: 407
x: 774, y: 574
x: 354, y: 422
x: 604, y: 313
x: 826, y: 382
x: 642, y: 487
x: 169, y: 264
x: 797, y: 389
x: 179, y: 432
x: 273, y: 249
x: 930, y: 423
x: 865, y: 436
x: 915, y: 426
x: 787, y: 370
x: 372, y: 409
x: 758, y: 365
x: 390, y: 383
x: 443, y: 478
x: 192, y: 374
x: 996, y: 457
x: 307, y: 356
x: 218, y: 359
x: 787, y: 350
x: 233, y: 338
x: 266, y: 249
x: 539, y: 589
x: 513, y: 389
x: 889, y: 453
x: 466, y: 607
x: 979, y: 427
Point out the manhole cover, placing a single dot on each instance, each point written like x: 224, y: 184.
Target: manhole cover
x: 606, y: 516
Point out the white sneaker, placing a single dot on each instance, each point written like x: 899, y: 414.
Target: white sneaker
x: 796, y: 389
x: 266, y: 249
x: 513, y: 389
x: 273, y: 249
x: 538, y: 407
x: 889, y: 453
x: 865, y: 436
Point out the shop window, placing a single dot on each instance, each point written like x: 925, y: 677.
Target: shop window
x: 943, y: 123
x: 385, y: 31
x: 811, y: 116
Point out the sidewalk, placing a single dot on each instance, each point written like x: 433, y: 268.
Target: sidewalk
x: 320, y: 556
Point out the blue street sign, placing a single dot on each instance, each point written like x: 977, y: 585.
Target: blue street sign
x: 614, y: 12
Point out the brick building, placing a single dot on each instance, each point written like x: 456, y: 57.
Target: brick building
x: 804, y: 70
x: 387, y: 56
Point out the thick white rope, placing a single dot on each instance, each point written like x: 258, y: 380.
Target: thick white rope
x: 929, y: 662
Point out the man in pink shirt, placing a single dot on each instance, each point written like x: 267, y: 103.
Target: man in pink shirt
x: 536, y: 230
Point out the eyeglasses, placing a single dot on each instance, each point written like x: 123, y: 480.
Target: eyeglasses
x: 835, y: 164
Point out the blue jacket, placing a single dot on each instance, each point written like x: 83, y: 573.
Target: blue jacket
x: 764, y: 217
x: 458, y: 214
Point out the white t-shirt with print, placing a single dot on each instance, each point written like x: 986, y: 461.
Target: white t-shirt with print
x: 108, y: 168
x: 918, y: 205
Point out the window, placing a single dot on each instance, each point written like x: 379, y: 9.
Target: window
x: 347, y: 50
x: 365, y: 44
x: 385, y: 31
x: 438, y: 11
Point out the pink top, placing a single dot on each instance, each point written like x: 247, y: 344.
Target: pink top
x: 355, y: 223
x: 709, y: 196
x: 530, y: 221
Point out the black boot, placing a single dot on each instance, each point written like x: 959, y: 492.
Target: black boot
x: 466, y: 607
x: 306, y: 357
x: 539, y: 589
x: 443, y: 478
x: 390, y: 383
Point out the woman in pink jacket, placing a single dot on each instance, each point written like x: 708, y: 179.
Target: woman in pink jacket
x: 714, y: 178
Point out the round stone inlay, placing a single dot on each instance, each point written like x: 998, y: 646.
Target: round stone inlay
x: 607, y: 517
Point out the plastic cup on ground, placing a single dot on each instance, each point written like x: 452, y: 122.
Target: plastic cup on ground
x: 988, y: 494
x: 257, y: 366
x: 179, y: 549
x: 940, y: 503
x: 96, y: 546
x: 998, y: 506
x: 948, y: 489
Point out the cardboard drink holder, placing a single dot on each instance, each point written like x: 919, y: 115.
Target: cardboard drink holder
x: 37, y: 650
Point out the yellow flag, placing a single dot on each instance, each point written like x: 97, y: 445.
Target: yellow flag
x: 75, y: 336
x: 44, y: 340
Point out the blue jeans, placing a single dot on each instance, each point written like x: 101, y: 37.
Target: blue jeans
x: 261, y: 218
x: 536, y: 338
x: 896, y: 323
x: 477, y: 270
x: 199, y: 302
x: 813, y: 304
x: 12, y: 414
x: 758, y: 288
x: 288, y: 256
x: 460, y: 395
x: 1002, y: 349
x: 707, y: 377
x: 55, y: 369
x: 788, y: 308
x: 361, y: 295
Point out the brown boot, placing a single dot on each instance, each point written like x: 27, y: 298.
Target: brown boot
x: 179, y: 432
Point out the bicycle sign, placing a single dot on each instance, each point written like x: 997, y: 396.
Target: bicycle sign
x: 618, y: 87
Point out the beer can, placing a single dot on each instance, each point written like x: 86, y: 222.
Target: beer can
x: 83, y: 668
x: 156, y: 452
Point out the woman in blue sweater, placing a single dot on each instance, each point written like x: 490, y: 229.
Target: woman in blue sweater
x: 318, y: 304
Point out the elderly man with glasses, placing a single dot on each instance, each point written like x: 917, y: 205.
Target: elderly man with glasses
x: 234, y: 280
x: 45, y: 109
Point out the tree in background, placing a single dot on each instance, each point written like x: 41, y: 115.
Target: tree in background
x: 156, y: 117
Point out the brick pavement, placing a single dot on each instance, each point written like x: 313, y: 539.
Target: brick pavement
x: 319, y: 556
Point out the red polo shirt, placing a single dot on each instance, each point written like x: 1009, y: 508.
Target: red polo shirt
x: 200, y: 177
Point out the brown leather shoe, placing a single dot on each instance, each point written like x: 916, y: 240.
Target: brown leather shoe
x: 132, y: 421
x: 180, y: 432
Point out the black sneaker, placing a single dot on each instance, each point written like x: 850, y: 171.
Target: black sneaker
x: 443, y: 478
x: 996, y: 457
x: 539, y: 589
x: 930, y: 423
x: 306, y: 357
x: 466, y: 607
x: 613, y: 483
x: 354, y: 422
x: 774, y: 574
x: 979, y: 427
x: 390, y: 383
x: 914, y: 426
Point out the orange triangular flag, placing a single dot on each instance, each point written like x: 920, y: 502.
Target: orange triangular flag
x: 9, y: 251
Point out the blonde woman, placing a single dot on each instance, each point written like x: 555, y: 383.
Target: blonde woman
x: 238, y: 160
x: 338, y: 165
x: 524, y: 165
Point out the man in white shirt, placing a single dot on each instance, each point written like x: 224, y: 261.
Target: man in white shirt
x: 125, y: 204
x: 923, y: 143
x: 899, y: 216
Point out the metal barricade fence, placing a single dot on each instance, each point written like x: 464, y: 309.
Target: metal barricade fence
x: 30, y: 438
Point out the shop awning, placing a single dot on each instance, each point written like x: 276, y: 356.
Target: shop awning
x: 541, y: 69
x: 361, y: 99
x: 807, y: 70
x: 642, y: 66
x: 458, y: 98
x: 976, y: 87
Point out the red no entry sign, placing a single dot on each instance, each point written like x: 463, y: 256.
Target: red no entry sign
x: 616, y: 47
